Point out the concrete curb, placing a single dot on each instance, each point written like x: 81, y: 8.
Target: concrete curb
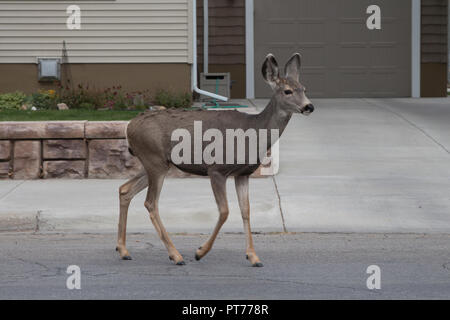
x: 19, y: 221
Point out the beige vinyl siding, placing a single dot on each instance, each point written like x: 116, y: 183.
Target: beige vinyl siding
x: 120, y: 31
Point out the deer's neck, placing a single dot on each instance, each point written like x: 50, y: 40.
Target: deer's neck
x: 273, y: 117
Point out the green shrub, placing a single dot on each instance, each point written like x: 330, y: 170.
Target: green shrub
x: 12, y: 100
x: 86, y: 105
x: 173, y: 100
x: 137, y: 100
x: 138, y: 107
x: 44, y: 99
x: 85, y: 97
x: 82, y: 97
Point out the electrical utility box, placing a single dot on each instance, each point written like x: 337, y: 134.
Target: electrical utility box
x: 218, y: 83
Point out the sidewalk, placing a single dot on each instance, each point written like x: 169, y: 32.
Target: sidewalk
x: 354, y: 165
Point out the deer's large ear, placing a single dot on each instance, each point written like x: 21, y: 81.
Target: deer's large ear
x: 270, y: 70
x: 292, y: 67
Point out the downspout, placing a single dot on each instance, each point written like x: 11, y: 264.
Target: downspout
x: 194, y: 58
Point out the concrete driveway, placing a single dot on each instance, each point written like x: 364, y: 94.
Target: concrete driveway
x: 354, y: 165
x: 367, y: 165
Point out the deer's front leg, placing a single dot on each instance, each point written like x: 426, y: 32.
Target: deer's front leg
x: 241, y: 183
x: 218, y: 184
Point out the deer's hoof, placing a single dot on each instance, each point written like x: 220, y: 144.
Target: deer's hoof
x: 199, y: 254
x: 179, y: 263
x: 126, y: 258
x: 258, y: 264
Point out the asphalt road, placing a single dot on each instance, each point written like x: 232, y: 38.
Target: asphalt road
x: 296, y: 266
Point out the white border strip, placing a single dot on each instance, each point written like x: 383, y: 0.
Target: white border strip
x: 415, y: 48
x: 249, y: 50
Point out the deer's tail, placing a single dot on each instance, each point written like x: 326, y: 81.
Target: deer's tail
x: 126, y: 136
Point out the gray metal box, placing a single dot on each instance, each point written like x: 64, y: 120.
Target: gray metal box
x: 218, y: 83
x: 49, y: 69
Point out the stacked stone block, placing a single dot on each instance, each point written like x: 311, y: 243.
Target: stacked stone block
x: 65, y: 149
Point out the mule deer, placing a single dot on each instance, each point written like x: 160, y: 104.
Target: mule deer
x: 149, y: 139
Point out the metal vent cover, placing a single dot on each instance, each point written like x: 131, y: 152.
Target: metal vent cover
x: 49, y: 69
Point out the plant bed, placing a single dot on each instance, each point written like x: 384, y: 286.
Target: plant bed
x: 83, y: 102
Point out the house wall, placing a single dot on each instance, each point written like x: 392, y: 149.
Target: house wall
x: 434, y: 48
x: 131, y: 76
x: 226, y: 41
x: 139, y: 43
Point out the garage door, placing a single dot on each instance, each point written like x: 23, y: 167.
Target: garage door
x: 341, y: 56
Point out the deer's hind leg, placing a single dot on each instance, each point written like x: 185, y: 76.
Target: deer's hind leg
x: 156, y: 179
x: 126, y: 193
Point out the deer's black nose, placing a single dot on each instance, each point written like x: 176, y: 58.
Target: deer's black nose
x: 308, y: 108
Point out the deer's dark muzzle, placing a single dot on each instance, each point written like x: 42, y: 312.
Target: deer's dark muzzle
x: 308, y: 109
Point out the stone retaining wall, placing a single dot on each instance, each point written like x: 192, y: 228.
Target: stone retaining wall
x: 65, y: 149
x: 68, y: 149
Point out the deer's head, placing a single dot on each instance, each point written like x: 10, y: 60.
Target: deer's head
x: 289, y: 93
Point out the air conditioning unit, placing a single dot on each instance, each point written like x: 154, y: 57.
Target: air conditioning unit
x: 218, y: 83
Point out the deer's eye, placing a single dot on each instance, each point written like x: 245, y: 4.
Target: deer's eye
x: 287, y: 92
